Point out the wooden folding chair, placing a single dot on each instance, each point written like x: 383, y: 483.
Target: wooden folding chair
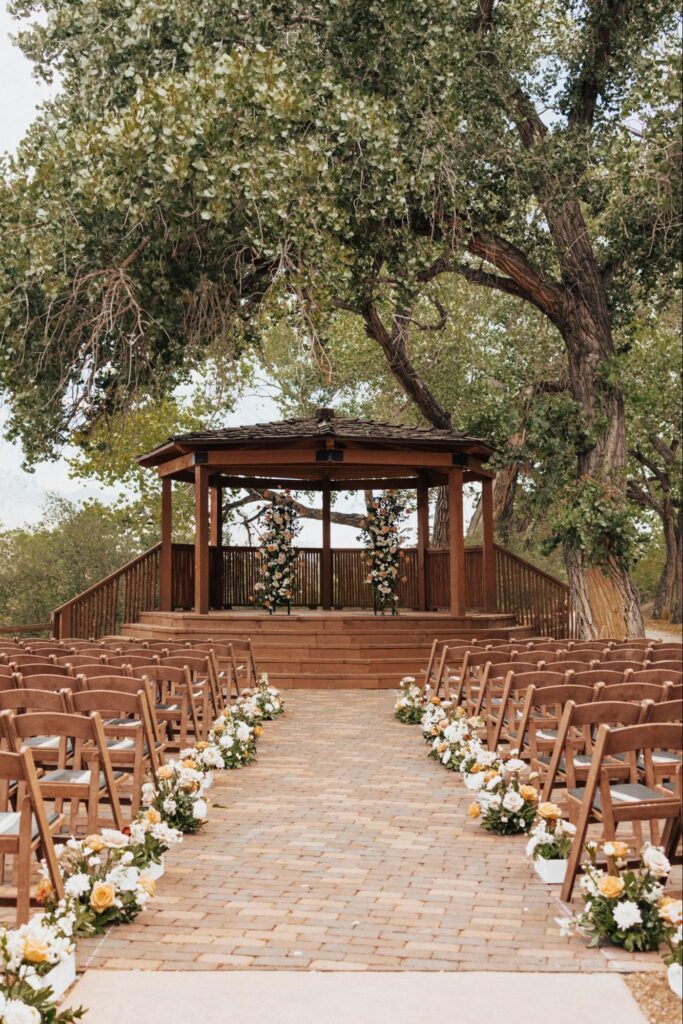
x: 625, y: 654
x: 503, y: 714
x: 637, y: 692
x: 74, y: 662
x: 634, y: 801
x: 28, y: 830
x: 541, y: 712
x: 131, y: 685
x: 84, y: 773
x: 28, y: 661
x: 99, y: 671
x: 665, y: 652
x: 49, y: 682
x: 669, y: 665
x: 659, y: 676
x: 130, y: 737
x: 568, y: 762
x: 473, y: 669
x: 204, y: 684
x: 28, y: 672
x: 127, y: 659
x: 173, y: 702
x: 482, y: 695
x: 598, y: 646
x: 597, y: 675
x: 448, y: 668
x: 45, y: 749
x: 43, y: 650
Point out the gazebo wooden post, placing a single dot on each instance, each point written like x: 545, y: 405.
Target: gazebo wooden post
x: 488, y: 546
x: 166, y: 554
x: 456, y: 540
x: 326, y: 595
x: 216, y: 542
x: 422, y: 542
x: 201, y: 539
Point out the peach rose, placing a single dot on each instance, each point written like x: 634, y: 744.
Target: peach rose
x: 190, y: 763
x: 201, y: 745
x: 34, y: 950
x: 95, y: 842
x: 43, y: 890
x: 148, y: 884
x: 258, y: 729
x: 610, y: 886
x: 152, y: 816
x: 474, y: 810
x: 102, y: 896
x: 616, y: 848
x: 528, y: 793
x: 165, y: 772
x: 549, y: 811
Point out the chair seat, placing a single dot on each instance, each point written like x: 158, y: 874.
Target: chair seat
x: 9, y: 823
x: 580, y: 761
x: 73, y: 776
x: 46, y: 743
x: 167, y: 707
x: 661, y: 757
x: 546, y: 734
x: 128, y: 744
x: 623, y: 793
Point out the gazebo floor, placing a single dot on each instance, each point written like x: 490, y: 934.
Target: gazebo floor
x: 332, y: 649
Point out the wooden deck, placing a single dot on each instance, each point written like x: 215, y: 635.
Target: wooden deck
x: 321, y: 650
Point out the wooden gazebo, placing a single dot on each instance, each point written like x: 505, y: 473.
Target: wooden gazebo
x: 325, y: 453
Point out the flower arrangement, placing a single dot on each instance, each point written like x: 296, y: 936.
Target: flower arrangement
x: 551, y: 836
x: 457, y: 743
x: 150, y: 837
x: 177, y: 794
x: 476, y: 760
x: 267, y: 698
x: 102, y: 885
x: 28, y: 955
x: 672, y: 911
x: 410, y: 706
x: 505, y: 805
x: 204, y: 757
x: 626, y: 908
x: 278, y: 526
x: 234, y: 737
x: 437, y: 715
x: 380, y: 533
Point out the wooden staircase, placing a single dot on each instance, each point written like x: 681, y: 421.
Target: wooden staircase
x: 336, y: 650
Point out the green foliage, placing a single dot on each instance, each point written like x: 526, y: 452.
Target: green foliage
x: 73, y: 546
x: 597, y: 520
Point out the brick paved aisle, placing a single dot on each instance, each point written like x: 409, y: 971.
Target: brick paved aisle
x: 344, y: 847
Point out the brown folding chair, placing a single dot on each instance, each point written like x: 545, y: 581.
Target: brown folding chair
x: 84, y: 773
x: 655, y: 675
x: 665, y: 652
x: 74, y: 662
x: 625, y: 654
x: 204, y: 685
x: 99, y: 671
x: 48, y: 682
x: 127, y: 659
x: 172, y: 698
x: 448, y: 668
x: 45, y: 749
x: 130, y: 737
x: 28, y: 672
x: 541, y: 712
x: 29, y: 829
x: 482, y: 696
x: 503, y: 714
x: 637, y: 692
x: 622, y: 666
x: 597, y: 675
x: 669, y: 665
x: 634, y: 801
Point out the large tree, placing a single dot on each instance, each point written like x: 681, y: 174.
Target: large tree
x: 205, y: 161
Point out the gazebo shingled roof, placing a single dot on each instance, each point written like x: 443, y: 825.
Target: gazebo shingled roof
x: 323, y: 426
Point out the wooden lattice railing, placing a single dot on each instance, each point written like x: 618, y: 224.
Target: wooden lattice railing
x: 534, y: 597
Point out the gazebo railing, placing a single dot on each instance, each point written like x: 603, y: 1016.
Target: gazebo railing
x: 533, y: 596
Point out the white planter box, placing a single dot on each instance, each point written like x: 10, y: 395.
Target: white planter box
x: 59, y: 978
x: 551, y: 871
x: 674, y: 976
x: 475, y: 781
x: 208, y: 780
x: 154, y: 870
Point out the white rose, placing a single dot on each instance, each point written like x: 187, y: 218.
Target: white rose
x: 655, y: 861
x: 199, y: 809
x: 114, y: 839
x: 77, y: 884
x: 16, y: 1012
x: 512, y: 801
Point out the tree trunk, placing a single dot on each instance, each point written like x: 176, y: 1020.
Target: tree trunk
x: 666, y: 588
x: 504, y: 489
x: 605, y: 600
x: 677, y: 607
x: 440, y: 529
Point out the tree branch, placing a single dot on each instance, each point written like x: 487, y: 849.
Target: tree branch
x: 603, y: 23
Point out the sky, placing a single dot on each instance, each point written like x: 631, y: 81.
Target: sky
x: 23, y: 494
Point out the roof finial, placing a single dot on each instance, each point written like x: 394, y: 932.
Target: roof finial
x: 324, y: 414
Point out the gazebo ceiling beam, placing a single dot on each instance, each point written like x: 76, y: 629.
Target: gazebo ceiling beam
x: 273, y: 483
x: 301, y: 459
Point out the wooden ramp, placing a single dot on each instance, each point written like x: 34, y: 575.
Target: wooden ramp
x: 336, y: 649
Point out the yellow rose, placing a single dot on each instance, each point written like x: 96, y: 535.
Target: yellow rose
x: 435, y: 700
x: 102, y: 896
x: 476, y: 768
x: 258, y: 729
x: 189, y: 763
x: 671, y: 910
x: 165, y: 772
x: 43, y: 890
x: 616, y: 848
x: 148, y: 884
x: 95, y: 842
x: 442, y: 747
x: 201, y: 745
x: 474, y: 810
x: 528, y: 793
x: 434, y: 731
x: 35, y: 951
x: 610, y: 886
x: 549, y: 811
x: 152, y: 816
x: 490, y: 774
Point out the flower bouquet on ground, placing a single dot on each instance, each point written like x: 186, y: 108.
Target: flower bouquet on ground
x: 235, y: 738
x: 626, y: 908
x: 150, y: 838
x: 267, y: 698
x: 37, y: 965
x: 436, y: 716
x: 177, y: 794
x: 550, y: 843
x: 505, y: 805
x: 382, y: 556
x: 476, y: 762
x: 102, y: 885
x: 672, y: 911
x: 410, y: 706
x: 454, y: 744
x: 277, y: 555
x: 38, y: 957
x: 204, y: 757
